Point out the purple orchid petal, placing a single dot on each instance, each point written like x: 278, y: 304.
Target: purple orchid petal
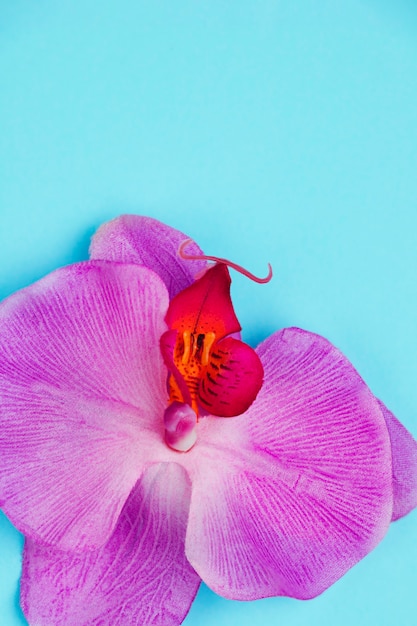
x: 146, y: 241
x: 140, y: 577
x: 289, y: 496
x: 82, y: 383
x: 404, y: 465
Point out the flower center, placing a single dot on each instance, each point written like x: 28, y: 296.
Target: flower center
x: 209, y: 371
x: 191, y: 357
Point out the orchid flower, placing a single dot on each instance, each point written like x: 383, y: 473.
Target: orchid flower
x: 145, y: 447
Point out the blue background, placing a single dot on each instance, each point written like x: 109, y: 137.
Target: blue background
x: 269, y: 131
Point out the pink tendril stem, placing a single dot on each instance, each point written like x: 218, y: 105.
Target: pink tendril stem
x: 238, y: 268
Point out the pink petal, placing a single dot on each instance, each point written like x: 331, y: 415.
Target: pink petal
x: 140, y: 577
x: 232, y: 379
x: 404, y: 465
x: 289, y: 496
x: 82, y: 398
x: 146, y: 241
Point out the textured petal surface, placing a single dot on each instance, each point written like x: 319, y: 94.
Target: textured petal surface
x: 139, y: 578
x: 290, y: 495
x: 82, y: 396
x: 148, y: 242
x: 404, y: 465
